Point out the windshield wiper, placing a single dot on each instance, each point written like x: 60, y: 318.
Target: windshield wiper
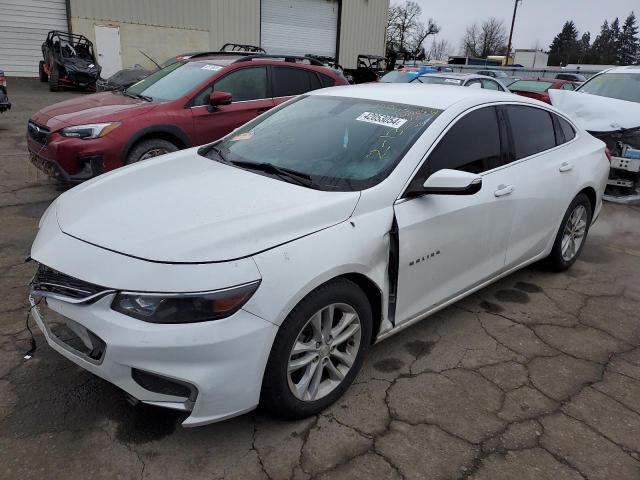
x: 218, y: 151
x: 284, y: 173
x: 137, y: 95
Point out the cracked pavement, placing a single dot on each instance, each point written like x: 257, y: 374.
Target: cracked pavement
x: 535, y: 377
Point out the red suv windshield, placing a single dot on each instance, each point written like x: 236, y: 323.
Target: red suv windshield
x: 174, y: 81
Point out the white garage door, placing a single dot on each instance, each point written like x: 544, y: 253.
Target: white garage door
x: 24, y: 25
x: 299, y: 27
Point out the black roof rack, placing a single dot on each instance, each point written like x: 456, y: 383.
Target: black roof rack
x: 222, y: 54
x: 287, y: 58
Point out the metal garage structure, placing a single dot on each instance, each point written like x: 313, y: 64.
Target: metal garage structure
x: 164, y: 28
x: 23, y: 27
x: 299, y: 27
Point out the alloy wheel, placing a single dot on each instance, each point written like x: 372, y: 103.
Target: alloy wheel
x: 574, y: 232
x: 324, y: 351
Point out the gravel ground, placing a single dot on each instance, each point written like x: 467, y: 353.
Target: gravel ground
x: 535, y: 377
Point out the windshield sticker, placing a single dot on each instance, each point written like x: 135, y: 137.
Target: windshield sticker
x: 213, y: 68
x: 380, y: 119
x: 451, y: 80
x: 243, y: 136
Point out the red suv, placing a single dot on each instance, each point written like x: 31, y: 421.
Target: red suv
x: 188, y: 103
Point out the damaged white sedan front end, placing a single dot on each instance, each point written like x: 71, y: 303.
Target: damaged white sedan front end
x: 608, y: 107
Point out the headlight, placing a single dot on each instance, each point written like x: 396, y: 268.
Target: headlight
x: 92, y: 130
x: 183, y: 307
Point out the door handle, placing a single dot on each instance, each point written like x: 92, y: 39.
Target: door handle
x: 503, y: 190
x: 566, y: 167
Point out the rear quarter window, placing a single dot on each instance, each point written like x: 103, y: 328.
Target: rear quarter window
x: 326, y: 80
x: 566, y: 131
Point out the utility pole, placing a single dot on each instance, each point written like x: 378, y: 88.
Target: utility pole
x: 513, y: 23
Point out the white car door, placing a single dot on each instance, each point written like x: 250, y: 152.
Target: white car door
x: 545, y: 178
x: 450, y: 243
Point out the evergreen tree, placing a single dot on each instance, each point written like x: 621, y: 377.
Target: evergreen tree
x: 565, y: 47
x: 602, y: 46
x: 614, y: 45
x: 628, y: 51
x: 585, y: 48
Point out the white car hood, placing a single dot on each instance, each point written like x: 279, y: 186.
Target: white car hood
x: 595, y: 113
x: 184, y: 208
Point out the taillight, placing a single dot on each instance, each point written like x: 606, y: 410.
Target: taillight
x: 607, y: 152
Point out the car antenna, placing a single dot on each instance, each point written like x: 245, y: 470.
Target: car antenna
x: 152, y: 60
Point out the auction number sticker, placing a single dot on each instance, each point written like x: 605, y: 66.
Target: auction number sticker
x: 381, y: 119
x: 213, y: 68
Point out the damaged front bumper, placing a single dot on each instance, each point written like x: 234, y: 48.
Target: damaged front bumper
x: 623, y: 185
x: 208, y: 369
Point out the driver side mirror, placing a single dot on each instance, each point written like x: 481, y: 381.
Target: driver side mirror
x: 449, y: 182
x: 218, y: 98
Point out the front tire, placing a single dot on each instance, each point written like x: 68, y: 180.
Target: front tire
x: 54, y: 79
x: 318, y: 350
x: 146, y: 149
x: 572, y: 234
x: 41, y: 73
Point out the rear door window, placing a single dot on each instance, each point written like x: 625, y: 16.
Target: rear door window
x: 491, y: 85
x: 289, y: 81
x: 532, y: 130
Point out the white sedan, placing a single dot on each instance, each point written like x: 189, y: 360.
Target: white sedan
x: 261, y: 268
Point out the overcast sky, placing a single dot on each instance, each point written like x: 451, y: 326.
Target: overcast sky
x: 538, y: 21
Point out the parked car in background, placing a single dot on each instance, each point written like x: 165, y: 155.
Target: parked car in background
x: 462, y: 80
x: 571, y: 77
x: 68, y: 61
x: 608, y: 106
x: 369, y: 69
x: 189, y: 102
x: 539, y: 88
x: 128, y: 76
x: 5, y: 104
x: 406, y: 74
x: 261, y: 268
x: 500, y: 76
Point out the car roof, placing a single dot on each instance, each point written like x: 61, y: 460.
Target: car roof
x: 461, y: 76
x: 627, y: 69
x: 552, y: 81
x: 433, y: 96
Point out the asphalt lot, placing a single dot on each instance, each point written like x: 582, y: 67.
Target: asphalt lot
x: 536, y: 377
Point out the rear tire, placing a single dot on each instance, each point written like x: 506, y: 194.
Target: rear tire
x: 339, y: 306
x: 54, y: 79
x: 41, y: 73
x: 146, y: 149
x: 572, y: 234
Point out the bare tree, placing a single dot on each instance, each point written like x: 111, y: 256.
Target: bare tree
x: 419, y: 35
x: 403, y: 20
x: 489, y: 38
x: 440, y: 50
x: 471, y: 40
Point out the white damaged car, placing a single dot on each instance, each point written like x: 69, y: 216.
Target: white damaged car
x: 608, y: 107
x: 261, y: 268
